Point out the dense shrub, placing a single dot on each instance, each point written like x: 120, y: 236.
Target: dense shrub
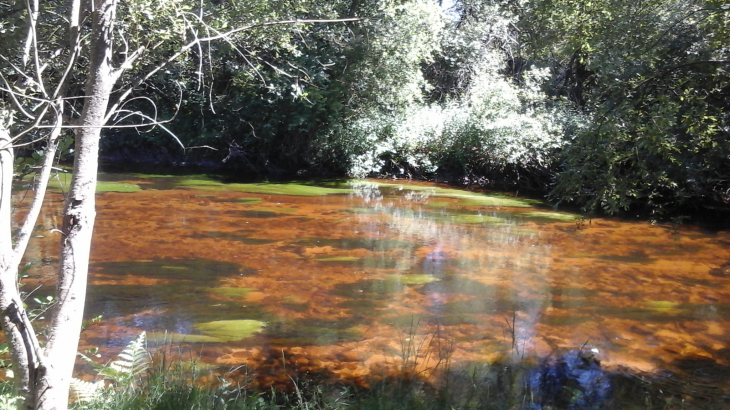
x: 497, y: 125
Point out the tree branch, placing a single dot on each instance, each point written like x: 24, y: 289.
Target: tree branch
x: 220, y: 36
x: 21, y: 242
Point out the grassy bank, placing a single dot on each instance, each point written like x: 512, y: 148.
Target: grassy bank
x: 180, y: 386
x: 570, y: 380
x: 496, y: 386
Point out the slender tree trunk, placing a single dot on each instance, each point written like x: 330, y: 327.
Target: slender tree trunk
x: 24, y: 349
x: 78, y: 218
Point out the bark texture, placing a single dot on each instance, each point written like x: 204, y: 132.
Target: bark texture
x: 19, y: 334
x: 78, y: 218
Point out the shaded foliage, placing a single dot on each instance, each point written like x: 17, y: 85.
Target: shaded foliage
x: 609, y: 105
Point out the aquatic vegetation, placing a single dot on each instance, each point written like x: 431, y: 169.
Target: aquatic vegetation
x: 438, y: 204
x: 466, y: 198
x: 163, y: 338
x: 63, y: 180
x: 140, y: 175
x: 268, y: 188
x: 351, y: 243
x: 289, y: 189
x: 338, y: 259
x: 116, y: 186
x: 231, y: 330
x: 362, y: 210
x: 231, y: 292
x: 662, y: 306
x: 371, y: 289
x: 313, y: 332
x: 344, y: 280
x: 248, y: 200
x: 412, y: 279
x: 256, y: 241
x: 277, y: 209
x: 257, y: 213
x: 476, y: 219
x: 241, y: 236
x: 553, y: 216
x: 566, y: 320
x: 498, y: 201
x: 199, y: 182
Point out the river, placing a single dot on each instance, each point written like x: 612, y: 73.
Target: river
x: 356, y: 278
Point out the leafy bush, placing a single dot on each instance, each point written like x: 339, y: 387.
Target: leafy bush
x: 498, y: 125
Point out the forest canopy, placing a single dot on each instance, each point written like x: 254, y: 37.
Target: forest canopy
x: 607, y: 105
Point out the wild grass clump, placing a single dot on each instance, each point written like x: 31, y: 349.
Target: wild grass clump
x: 573, y: 380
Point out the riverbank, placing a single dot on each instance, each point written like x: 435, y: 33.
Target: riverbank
x: 710, y: 218
x: 572, y: 380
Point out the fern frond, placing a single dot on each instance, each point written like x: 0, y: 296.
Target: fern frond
x: 85, y: 392
x: 131, y: 363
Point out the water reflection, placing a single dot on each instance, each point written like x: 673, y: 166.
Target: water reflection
x: 355, y: 275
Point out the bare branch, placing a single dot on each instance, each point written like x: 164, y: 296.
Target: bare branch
x: 74, y: 42
x: 33, y: 11
x: 153, y: 123
x: 23, y: 237
x: 17, y: 69
x: 229, y: 33
x: 14, y: 96
x: 220, y: 36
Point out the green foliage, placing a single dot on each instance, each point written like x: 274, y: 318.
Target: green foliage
x: 658, y: 137
x: 125, y: 372
x: 610, y: 105
x: 496, y: 125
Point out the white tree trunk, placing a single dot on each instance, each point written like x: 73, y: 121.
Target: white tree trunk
x: 9, y: 296
x: 78, y: 218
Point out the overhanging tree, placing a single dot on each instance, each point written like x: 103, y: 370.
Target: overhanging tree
x: 652, y: 76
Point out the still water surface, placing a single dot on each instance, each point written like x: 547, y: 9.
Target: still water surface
x: 340, y: 277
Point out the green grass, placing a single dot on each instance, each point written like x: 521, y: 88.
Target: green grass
x: 178, y: 386
x: 188, y: 384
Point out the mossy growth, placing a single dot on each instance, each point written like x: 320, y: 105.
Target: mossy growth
x: 289, y: 189
x: 268, y: 188
x: 662, y: 306
x: 550, y: 216
x: 62, y: 181
x: 277, y: 209
x: 165, y: 338
x: 438, y: 204
x: 414, y: 279
x: 341, y: 259
x: 116, y: 186
x: 477, y: 219
x: 139, y: 175
x: 231, y: 330
x: 466, y: 198
x: 493, y: 200
x: 567, y: 320
x: 248, y: 200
